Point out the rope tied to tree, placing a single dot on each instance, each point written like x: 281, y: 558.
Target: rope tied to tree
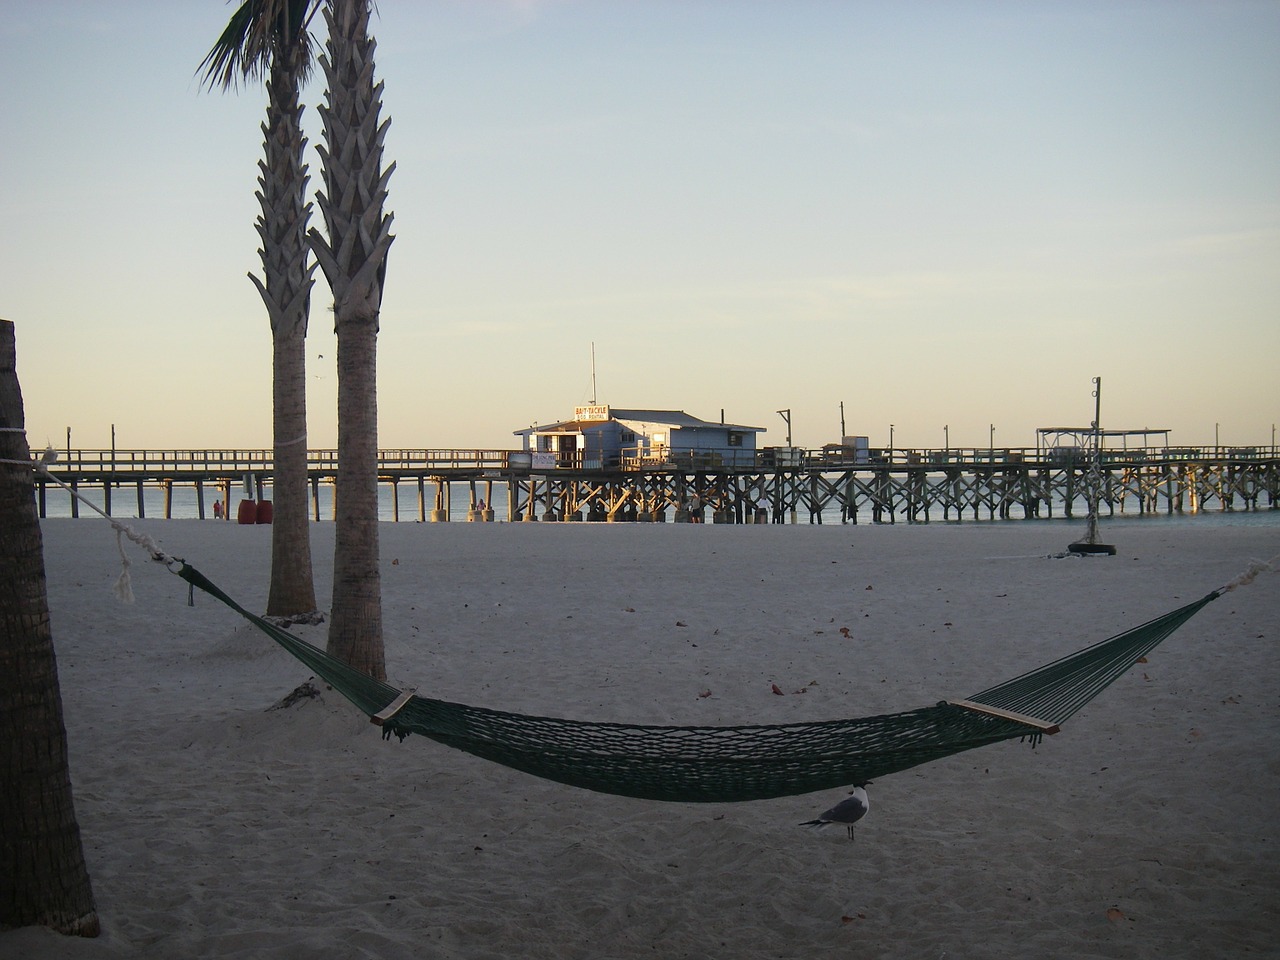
x: 123, y: 587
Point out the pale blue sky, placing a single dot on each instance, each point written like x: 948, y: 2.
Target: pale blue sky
x: 936, y: 212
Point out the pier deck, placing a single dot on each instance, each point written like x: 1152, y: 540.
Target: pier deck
x: 882, y: 486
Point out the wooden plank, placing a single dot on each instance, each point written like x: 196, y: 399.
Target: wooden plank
x: 1042, y: 725
x: 392, y: 708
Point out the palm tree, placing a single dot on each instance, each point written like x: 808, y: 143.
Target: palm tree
x: 272, y: 36
x: 354, y: 260
x: 43, y: 877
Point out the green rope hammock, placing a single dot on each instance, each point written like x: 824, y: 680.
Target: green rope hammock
x: 735, y: 763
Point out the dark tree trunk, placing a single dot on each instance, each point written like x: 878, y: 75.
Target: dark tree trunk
x: 43, y: 877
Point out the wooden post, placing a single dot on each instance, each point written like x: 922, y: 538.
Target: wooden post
x: 513, y: 500
x: 547, y: 514
x: 438, y: 512
x: 142, y: 507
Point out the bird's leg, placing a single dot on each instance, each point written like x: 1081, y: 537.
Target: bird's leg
x: 850, y: 831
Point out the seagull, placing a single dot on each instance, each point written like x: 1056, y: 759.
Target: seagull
x: 847, y: 812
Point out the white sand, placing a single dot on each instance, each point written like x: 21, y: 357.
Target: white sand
x: 1147, y: 828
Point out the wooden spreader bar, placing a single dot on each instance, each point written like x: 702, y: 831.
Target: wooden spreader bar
x: 1042, y: 725
x: 392, y: 708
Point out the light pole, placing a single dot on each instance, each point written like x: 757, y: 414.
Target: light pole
x: 891, y: 443
x: 786, y: 415
x: 1215, y: 440
x: 946, y: 439
x: 1090, y: 544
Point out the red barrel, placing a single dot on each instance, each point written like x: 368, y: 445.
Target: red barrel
x: 264, y: 511
x: 248, y: 512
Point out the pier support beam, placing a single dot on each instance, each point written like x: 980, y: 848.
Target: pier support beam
x: 441, y: 512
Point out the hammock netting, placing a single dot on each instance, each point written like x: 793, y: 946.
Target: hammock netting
x: 735, y: 763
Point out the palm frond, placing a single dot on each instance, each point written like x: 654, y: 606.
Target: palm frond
x: 258, y: 32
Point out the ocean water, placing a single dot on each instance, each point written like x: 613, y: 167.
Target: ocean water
x: 184, y: 506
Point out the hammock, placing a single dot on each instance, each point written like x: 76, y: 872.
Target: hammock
x: 735, y: 763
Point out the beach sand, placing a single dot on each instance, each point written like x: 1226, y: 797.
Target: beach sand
x: 214, y: 827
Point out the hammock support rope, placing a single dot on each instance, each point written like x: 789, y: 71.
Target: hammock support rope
x: 705, y: 764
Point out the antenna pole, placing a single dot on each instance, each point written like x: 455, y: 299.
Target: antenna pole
x: 1090, y: 544
x: 593, y: 373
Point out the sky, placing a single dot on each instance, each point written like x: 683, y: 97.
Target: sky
x: 948, y: 217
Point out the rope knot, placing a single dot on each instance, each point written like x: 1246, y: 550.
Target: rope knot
x: 1250, y: 574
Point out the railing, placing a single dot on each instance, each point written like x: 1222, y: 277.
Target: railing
x: 224, y: 463
x: 235, y: 462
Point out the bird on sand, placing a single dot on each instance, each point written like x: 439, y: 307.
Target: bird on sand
x: 847, y: 812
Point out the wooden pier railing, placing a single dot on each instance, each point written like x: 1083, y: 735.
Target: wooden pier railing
x: 160, y: 463
x: 85, y: 462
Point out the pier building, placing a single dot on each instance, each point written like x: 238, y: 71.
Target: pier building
x: 600, y: 437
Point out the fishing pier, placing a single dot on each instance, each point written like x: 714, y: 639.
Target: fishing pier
x: 775, y: 485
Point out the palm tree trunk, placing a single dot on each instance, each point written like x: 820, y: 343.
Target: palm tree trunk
x: 292, y: 592
x: 282, y: 228
x: 354, y: 261
x: 355, y: 627
x: 43, y: 877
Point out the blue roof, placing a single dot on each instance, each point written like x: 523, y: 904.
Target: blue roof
x: 667, y: 418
